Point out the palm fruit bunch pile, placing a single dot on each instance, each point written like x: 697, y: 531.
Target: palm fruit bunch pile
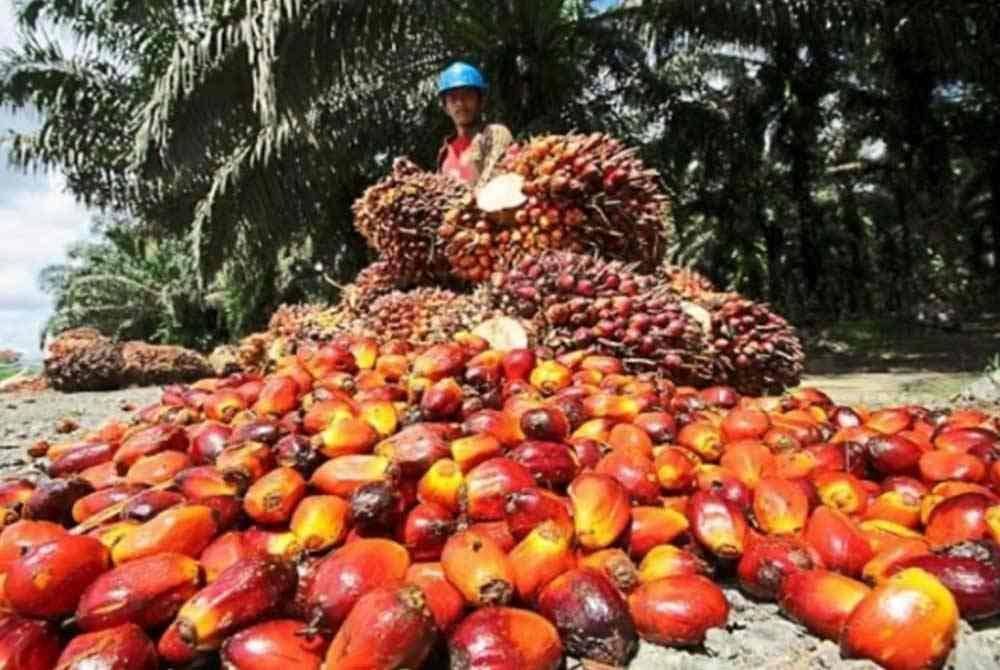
x: 583, y: 193
x: 399, y: 217
x: 385, y: 506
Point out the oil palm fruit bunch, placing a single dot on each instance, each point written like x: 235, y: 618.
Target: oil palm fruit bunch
x: 455, y: 505
x: 400, y: 215
x: 685, y: 282
x: 583, y: 193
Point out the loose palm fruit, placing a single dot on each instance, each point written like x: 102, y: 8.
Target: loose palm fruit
x: 479, y: 568
x: 207, y: 481
x: 527, y: 508
x: 427, y: 527
x: 472, y: 450
x: 223, y: 405
x: 47, y: 581
x: 243, y: 593
x: 675, y: 469
x: 550, y: 377
x: 148, y: 592
x: 613, y: 564
x: 278, y: 395
x: 548, y: 424
x: 635, y: 472
x: 717, y: 524
x: 390, y: 627
x: 666, y: 560
x: 890, y: 420
x: 440, y: 361
x: 227, y: 550
x: 970, y: 570
x: 505, y: 638
x: 540, y: 557
x: 939, y: 466
x: 272, y: 498
x: 441, y: 401
x: 102, y: 476
x: 821, y: 600
x: 125, y: 647
x: 488, y: 484
x: 552, y: 464
x: 897, y: 507
x: 882, y: 563
x: 907, y: 622
x: 747, y: 460
x: 342, y: 475
x: 591, y: 616
x: 80, y: 458
x: 652, y: 526
x: 444, y: 601
x: 443, y: 484
x: 842, y: 491
x: 958, y: 519
x: 156, y: 469
x: 99, y: 501
x: 185, y: 529
x: 279, y: 644
x: 347, y: 435
x: 53, y: 500
x: 678, y: 611
x: 376, y: 508
x: 893, y: 454
x: 207, y: 441
x: 703, y: 439
x: 779, y: 506
x: 841, y: 545
x: 769, y: 560
x: 342, y: 577
x: 415, y: 448
x: 28, y: 644
x: 21, y: 536
x: 296, y: 451
x: 245, y: 462
x: 164, y: 437
x: 319, y: 522
x: 741, y: 424
x: 148, y: 504
x: 600, y: 509
x: 110, y: 534
x: 323, y: 413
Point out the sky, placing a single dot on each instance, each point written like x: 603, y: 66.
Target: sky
x: 38, y: 221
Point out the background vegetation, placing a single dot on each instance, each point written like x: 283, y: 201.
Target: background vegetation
x: 838, y: 159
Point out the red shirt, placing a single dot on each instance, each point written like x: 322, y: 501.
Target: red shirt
x: 454, y: 165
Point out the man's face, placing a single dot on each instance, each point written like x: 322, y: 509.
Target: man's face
x: 463, y: 105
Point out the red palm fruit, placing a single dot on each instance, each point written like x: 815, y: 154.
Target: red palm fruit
x: 277, y: 544
x: 488, y: 484
x: 224, y: 551
x: 659, y: 426
x: 98, y: 501
x: 228, y: 510
x: 717, y: 524
x: 893, y: 454
x: 472, y: 450
x: 207, y: 440
x: 970, y: 570
x: 53, y: 500
x: 505, y: 638
x: 278, y: 644
x: 321, y: 361
x: 440, y: 361
x: 427, y: 527
x: 441, y: 400
x: 675, y: 469
x: 880, y: 566
x: 911, y: 608
x: 484, y: 369
x: 720, y: 481
x: 478, y: 567
x: 376, y: 508
x: 747, y: 460
x: 544, y: 554
x: 742, y: 424
x: 702, y: 438
x: 606, y: 365
x: 392, y: 366
x: 635, y: 472
x: 320, y: 522
x: 245, y: 592
x: 14, y: 493
x: 249, y: 391
x: 148, y: 592
x: 46, y: 582
x: 184, y: 529
x: 80, y: 458
x: 964, y: 440
x: 415, y: 448
x: 897, y: 507
x: 652, y: 526
x: 842, y: 492
x: 273, y: 497
x: 821, y: 600
x: 591, y: 616
x: 245, y: 462
x: 550, y: 463
x: 601, y: 510
x: 613, y: 564
x: 678, y: 611
x: 110, y: 534
x: 950, y: 489
x: 527, y: 508
x: 504, y: 426
x: 517, y: 364
x: 882, y: 534
x: 390, y: 627
x: 958, y: 519
x: 157, y: 468
x: 443, y: 483
x: 205, y: 481
x: 780, y: 440
x: 497, y: 531
x: 939, y: 466
x: 345, y: 575
x: 342, y: 475
x: 296, y: 451
x: 443, y: 600
x: 845, y: 417
x: 625, y: 436
x: 890, y: 421
x: 720, y: 396
x: 588, y: 452
x: 150, y: 441
x: 550, y: 377
x: 666, y: 560
x: 28, y: 644
x: 614, y: 407
x: 257, y: 430
x: 145, y: 505
x: 769, y: 560
x: 548, y: 423
x: 279, y: 395
x: 906, y: 485
x: 21, y: 536
x: 780, y: 507
x: 322, y: 413
x: 839, y: 542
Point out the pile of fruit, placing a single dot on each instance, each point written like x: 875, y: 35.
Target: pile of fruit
x: 379, y: 506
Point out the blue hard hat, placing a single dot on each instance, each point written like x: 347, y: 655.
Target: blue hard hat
x: 460, y: 75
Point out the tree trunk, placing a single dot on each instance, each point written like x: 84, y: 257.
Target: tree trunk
x: 995, y: 218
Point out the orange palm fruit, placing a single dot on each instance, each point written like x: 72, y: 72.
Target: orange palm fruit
x: 245, y: 592
x: 444, y: 601
x: 613, y: 564
x: 80, y: 458
x: 245, y: 462
x: 98, y: 501
x: 958, y: 519
x: 28, y: 644
x: 157, y: 468
x: 345, y: 575
x: 389, y: 627
x: 635, y: 472
x: 890, y: 420
x: 678, y: 611
x: 206, y: 481
x: 594, y: 429
x: 742, y: 424
x: 479, y: 568
x: 185, y: 529
x: 102, y: 476
x: 550, y: 377
x: 488, y: 484
x: 884, y: 561
x: 964, y: 439
x: 279, y: 395
x: 939, y: 466
x: 21, y: 536
x: 552, y: 464
x: 631, y: 437
x: 717, y: 524
x: 440, y: 361
x: 881, y: 533
x: 381, y: 415
x: 780, y: 507
x: 320, y: 522
x: 840, y: 543
x: 652, y: 526
x: 147, y: 504
x: 504, y: 426
x: 702, y: 438
x: 897, y: 507
x: 272, y: 498
x: 340, y: 476
x: 506, y: 638
x: 322, y: 413
x: 527, y: 508
x: 544, y: 554
x: 613, y: 407
x: 415, y: 448
x: 769, y: 560
x: 426, y: 529
x: 278, y: 644
x: 223, y: 405
x: 821, y: 600
x: 666, y: 560
x: 46, y: 582
x: 393, y: 367
x: 347, y: 435
x: 224, y: 551
x: 148, y: 592
x: 472, y: 450
x: 907, y: 622
x: 153, y: 440
x: 601, y: 509
x: 675, y: 469
x: 110, y: 534
x: 747, y: 460
x: 443, y: 483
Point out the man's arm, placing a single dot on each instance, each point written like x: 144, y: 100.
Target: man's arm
x: 496, y: 138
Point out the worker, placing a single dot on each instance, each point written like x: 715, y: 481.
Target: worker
x: 471, y: 154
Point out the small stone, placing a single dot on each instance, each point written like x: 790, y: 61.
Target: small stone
x: 66, y: 425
